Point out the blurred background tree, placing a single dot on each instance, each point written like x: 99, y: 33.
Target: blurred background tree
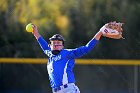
x: 76, y: 20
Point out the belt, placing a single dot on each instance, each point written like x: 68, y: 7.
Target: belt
x: 59, y: 88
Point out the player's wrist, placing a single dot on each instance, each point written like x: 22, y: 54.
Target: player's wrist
x: 37, y: 35
x: 98, y: 35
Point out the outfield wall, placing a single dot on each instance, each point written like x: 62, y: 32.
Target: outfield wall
x: 29, y: 75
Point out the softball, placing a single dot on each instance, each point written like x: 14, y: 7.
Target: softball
x: 29, y: 27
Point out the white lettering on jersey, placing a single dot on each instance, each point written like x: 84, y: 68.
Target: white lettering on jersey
x: 56, y: 58
x: 49, y: 53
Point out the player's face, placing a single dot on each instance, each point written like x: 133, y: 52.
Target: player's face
x: 56, y: 45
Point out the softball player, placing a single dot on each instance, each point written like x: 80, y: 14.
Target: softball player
x: 61, y: 61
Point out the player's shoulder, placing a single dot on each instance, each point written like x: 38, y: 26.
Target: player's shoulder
x: 68, y: 50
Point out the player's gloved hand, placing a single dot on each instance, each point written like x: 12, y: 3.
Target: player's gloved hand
x: 112, y: 30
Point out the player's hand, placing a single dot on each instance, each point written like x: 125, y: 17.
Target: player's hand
x: 35, y: 31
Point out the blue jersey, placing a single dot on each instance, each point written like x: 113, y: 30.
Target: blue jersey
x: 60, y: 66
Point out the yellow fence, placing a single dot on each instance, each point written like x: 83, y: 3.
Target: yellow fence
x: 78, y: 61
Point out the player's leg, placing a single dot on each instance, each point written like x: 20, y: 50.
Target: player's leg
x: 60, y: 91
x: 77, y: 89
x: 71, y: 89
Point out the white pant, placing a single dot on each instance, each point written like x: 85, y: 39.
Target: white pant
x: 72, y: 88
